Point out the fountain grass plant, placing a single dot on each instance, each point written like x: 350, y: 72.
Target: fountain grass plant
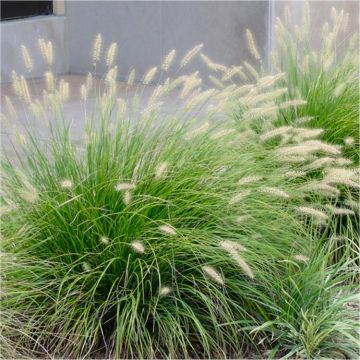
x: 163, y: 235
x: 327, y: 79
x: 313, y: 314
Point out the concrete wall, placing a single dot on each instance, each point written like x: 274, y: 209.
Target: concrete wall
x: 27, y: 31
x: 147, y: 31
x: 319, y: 12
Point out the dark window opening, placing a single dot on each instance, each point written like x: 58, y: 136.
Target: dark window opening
x: 20, y: 9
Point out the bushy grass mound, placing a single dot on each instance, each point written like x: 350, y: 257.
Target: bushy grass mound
x: 313, y: 314
x: 125, y: 248
x: 328, y: 79
x: 171, y: 236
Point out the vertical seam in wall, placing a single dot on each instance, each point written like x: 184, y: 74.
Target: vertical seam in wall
x: 270, y: 31
x: 161, y: 31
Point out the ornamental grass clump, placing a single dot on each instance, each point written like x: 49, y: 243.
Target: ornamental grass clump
x: 314, y: 309
x: 322, y: 68
x: 158, y: 235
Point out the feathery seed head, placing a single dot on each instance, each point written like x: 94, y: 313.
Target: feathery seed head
x: 319, y: 163
x: 305, y: 133
x: 50, y: 81
x: 149, y: 76
x: 89, y: 81
x: 216, y: 82
x: 317, y: 215
x: 83, y: 92
x: 24, y: 90
x: 242, y: 218
x: 161, y: 170
x: 252, y: 71
x: 127, y: 197
x: 111, y: 75
x: 292, y: 103
x: 342, y: 161
x: 201, y: 98
x: 269, y: 80
x: 307, y: 148
x: 233, y: 249
x: 42, y: 47
x: 267, y: 110
x: 252, y: 45
x: 231, y: 246
x: 138, y: 246
x: 249, y: 179
x: 168, y: 60
x: 341, y: 211
x: 10, y: 107
x: 211, y: 273
x: 231, y: 72
x: 190, y: 83
x: 49, y: 53
x: 64, y: 90
x: 303, y: 120
x: 302, y: 258
x: 280, y: 131
x: 200, y: 130
x: 339, y: 89
x: 238, y: 197
x: 97, y: 48
x: 131, y: 77
x: 322, y: 189
x: 190, y: 55
x: 121, y: 106
x: 164, y: 291
x: 336, y: 173
x: 349, y: 141
x: 86, y: 266
x: 66, y: 184
x: 212, y: 65
x: 125, y: 186
x: 167, y: 230
x: 29, y: 193
x: 275, y: 192
x: 26, y: 58
x: 104, y: 240
x: 111, y: 54
x: 221, y: 133
x: 294, y: 174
